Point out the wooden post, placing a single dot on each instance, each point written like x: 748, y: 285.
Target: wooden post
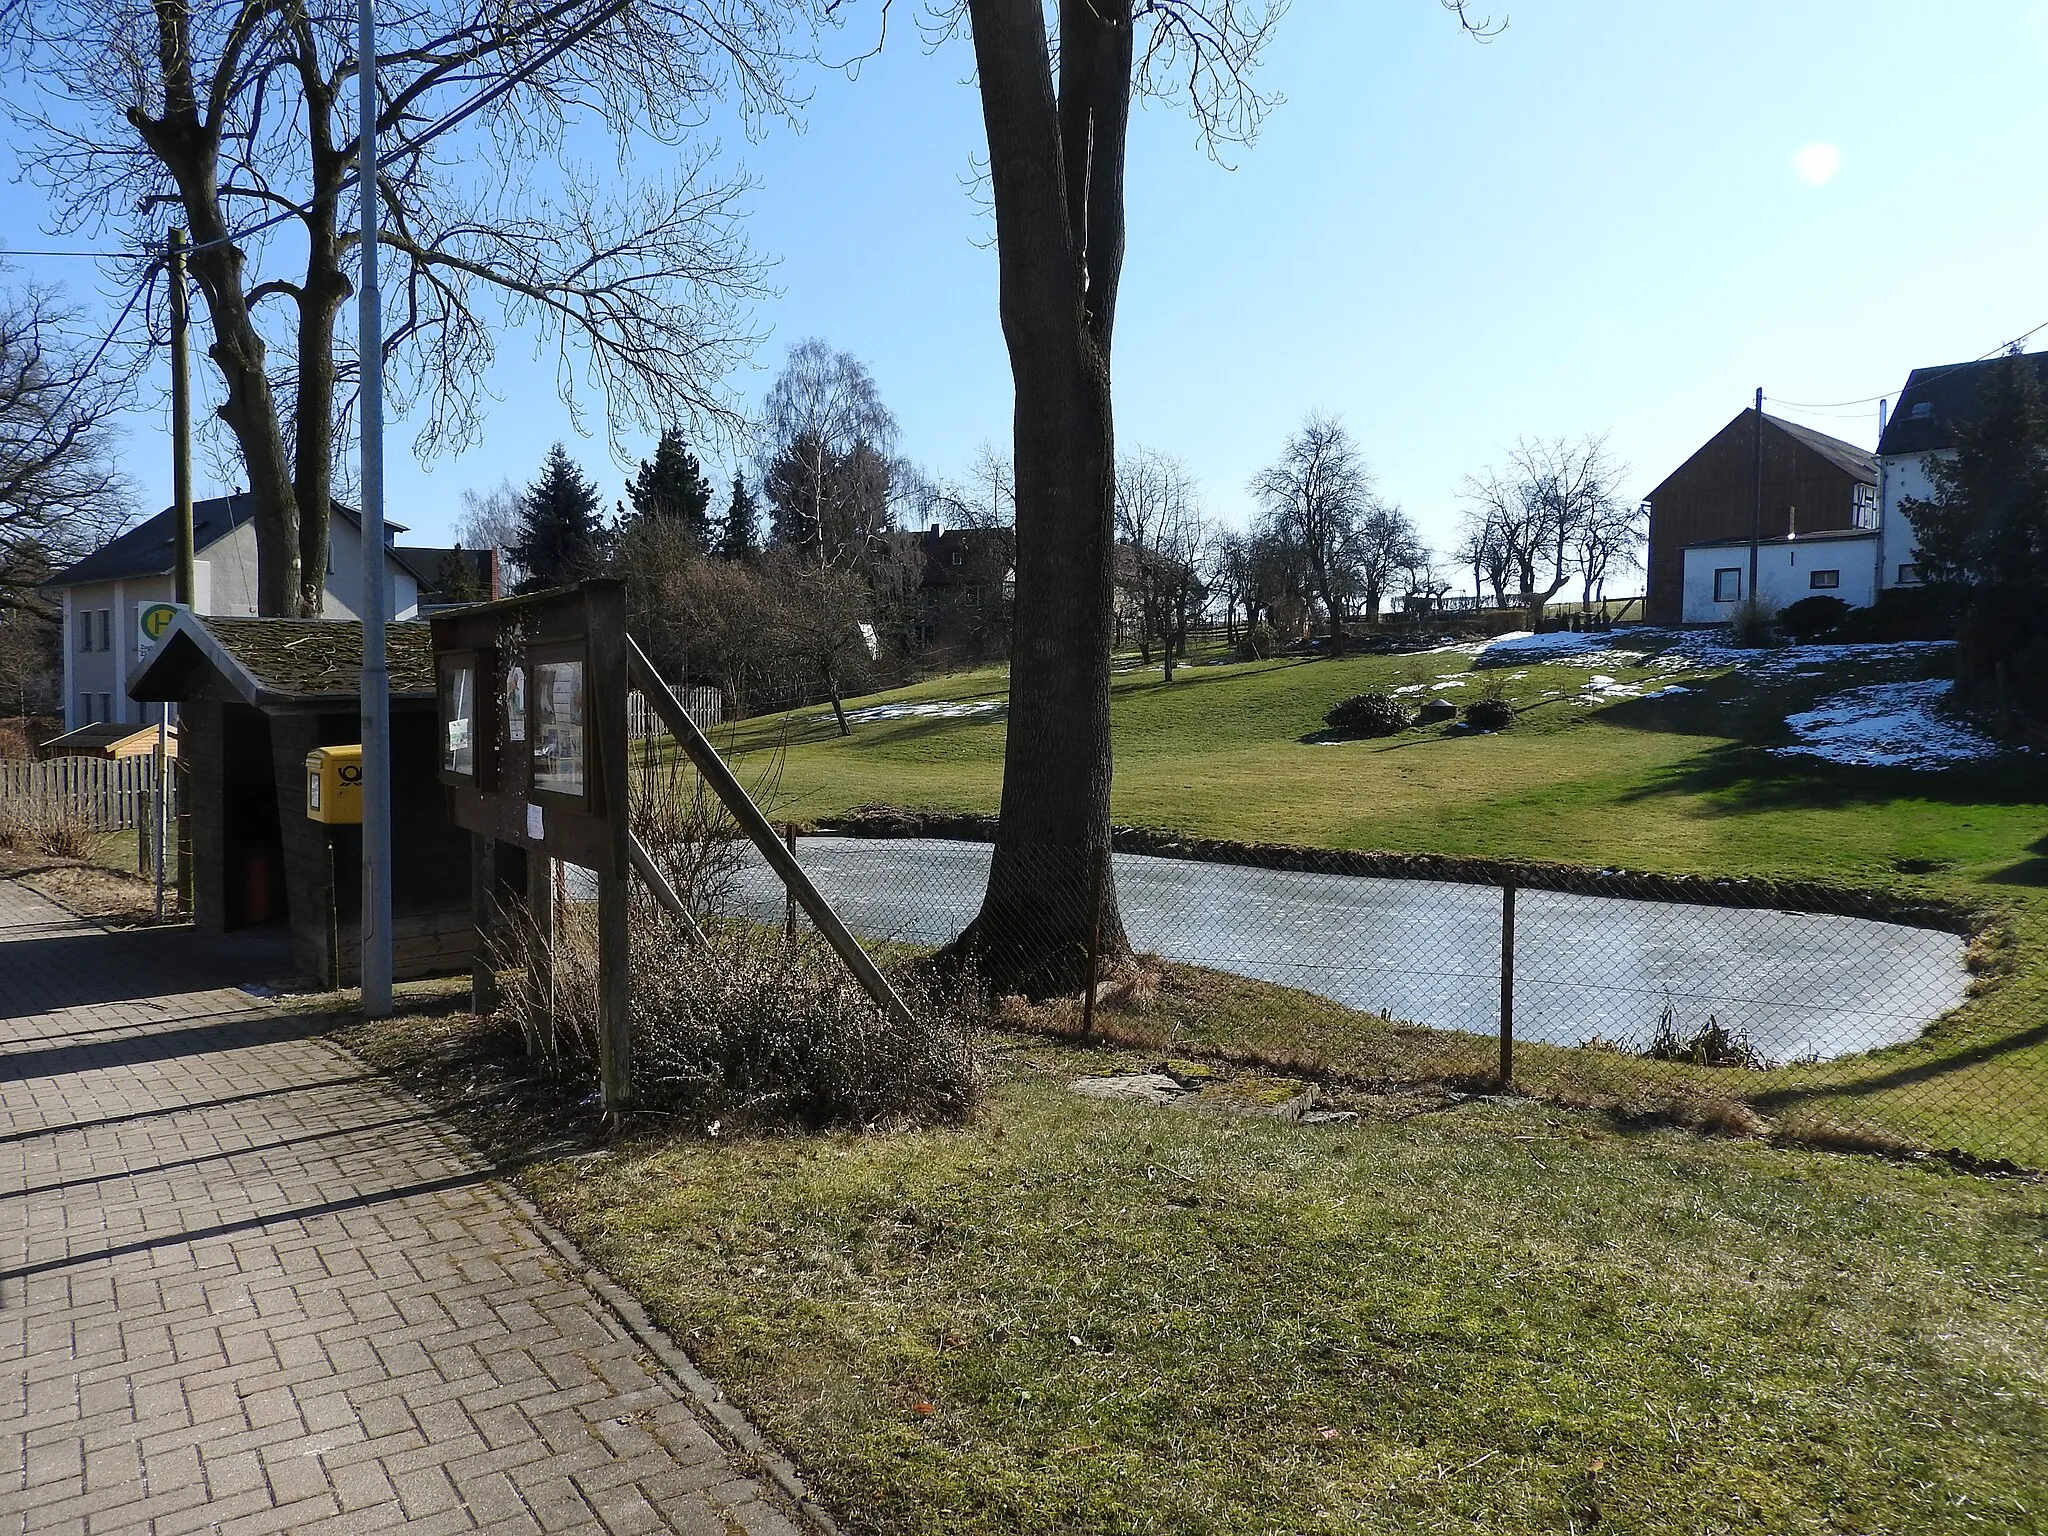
x: 483, y: 916
x: 605, y: 694
x: 1507, y: 980
x: 761, y: 832
x: 540, y: 958
x: 144, y: 819
x: 1098, y: 878
x: 789, y: 895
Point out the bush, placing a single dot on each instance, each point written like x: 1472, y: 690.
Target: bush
x: 1489, y: 714
x: 1905, y: 613
x: 1812, y: 618
x: 1260, y: 643
x: 1752, y: 626
x: 1369, y: 714
x: 60, y: 832
x: 755, y: 1024
x: 1713, y: 1044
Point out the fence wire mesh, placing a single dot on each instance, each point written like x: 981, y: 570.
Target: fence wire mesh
x: 1843, y: 1018
x: 1859, y: 1019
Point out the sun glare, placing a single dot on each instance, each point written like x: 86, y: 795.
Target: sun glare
x: 1816, y: 164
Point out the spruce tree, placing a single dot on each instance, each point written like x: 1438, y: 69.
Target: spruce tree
x: 736, y: 535
x: 559, y: 538
x: 671, y: 488
x: 457, y: 578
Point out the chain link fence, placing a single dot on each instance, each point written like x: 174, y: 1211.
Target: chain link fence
x: 1833, y: 1017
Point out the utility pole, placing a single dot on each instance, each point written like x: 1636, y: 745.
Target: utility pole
x: 1756, y: 505
x: 376, y: 993
x: 184, y: 578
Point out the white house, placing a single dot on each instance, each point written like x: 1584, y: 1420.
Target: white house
x: 1838, y: 562
x: 1933, y: 404
x: 104, y: 594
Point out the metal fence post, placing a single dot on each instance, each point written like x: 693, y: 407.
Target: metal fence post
x: 1507, y: 980
x: 1097, y: 880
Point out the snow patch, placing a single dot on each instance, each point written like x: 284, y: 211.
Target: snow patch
x: 948, y: 709
x: 1888, y: 725
x: 1686, y: 650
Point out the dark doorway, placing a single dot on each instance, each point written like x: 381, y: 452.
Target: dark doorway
x: 252, y: 848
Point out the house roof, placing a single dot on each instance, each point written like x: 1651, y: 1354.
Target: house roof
x: 1859, y: 462
x: 150, y: 548
x: 281, y: 661
x: 99, y: 740
x: 1936, y: 401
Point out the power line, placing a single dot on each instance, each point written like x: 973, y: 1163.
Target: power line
x: 1831, y: 405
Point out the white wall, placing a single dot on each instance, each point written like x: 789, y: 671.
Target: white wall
x: 1784, y: 574
x: 1903, y: 477
x: 345, y: 576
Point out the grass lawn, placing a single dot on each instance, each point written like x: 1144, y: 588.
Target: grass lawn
x: 1680, y: 784
x: 1073, y: 1315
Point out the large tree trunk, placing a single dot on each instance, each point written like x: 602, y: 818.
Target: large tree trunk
x: 321, y: 296
x: 190, y: 151
x: 1056, y: 167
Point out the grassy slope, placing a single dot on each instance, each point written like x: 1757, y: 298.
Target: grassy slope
x: 1679, y: 784
x: 1080, y: 1316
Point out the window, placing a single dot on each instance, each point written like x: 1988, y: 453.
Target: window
x: 560, y: 758
x: 1865, y: 514
x: 458, y: 717
x: 1908, y: 574
x: 1728, y: 584
x: 1922, y: 409
x: 959, y: 557
x: 1824, y: 581
x: 106, y: 629
x: 106, y: 707
x: 84, y: 629
x: 85, y: 709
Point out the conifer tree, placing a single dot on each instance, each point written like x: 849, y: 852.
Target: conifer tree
x: 671, y: 488
x: 736, y: 534
x: 559, y: 537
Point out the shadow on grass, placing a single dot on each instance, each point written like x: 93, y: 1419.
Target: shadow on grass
x: 1775, y: 1100
x: 1736, y: 778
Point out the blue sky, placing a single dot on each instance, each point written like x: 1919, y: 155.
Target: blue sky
x: 1593, y: 223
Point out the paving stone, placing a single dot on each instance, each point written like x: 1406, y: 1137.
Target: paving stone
x: 246, y: 1287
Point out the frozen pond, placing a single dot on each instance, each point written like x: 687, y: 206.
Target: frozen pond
x: 1428, y: 951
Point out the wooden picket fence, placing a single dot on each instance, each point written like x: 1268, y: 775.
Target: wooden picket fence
x: 106, y: 794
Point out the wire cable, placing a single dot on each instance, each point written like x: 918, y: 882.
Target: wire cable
x: 1831, y: 405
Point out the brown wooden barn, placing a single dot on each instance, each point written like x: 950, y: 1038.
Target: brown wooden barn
x: 1813, y: 483
x: 254, y: 697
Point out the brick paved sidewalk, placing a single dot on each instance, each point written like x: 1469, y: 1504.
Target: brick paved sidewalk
x: 244, y: 1287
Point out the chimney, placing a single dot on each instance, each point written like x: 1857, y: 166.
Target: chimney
x: 1884, y: 412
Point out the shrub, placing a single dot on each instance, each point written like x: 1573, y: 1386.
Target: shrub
x: 1811, y: 618
x: 1368, y: 714
x: 59, y: 831
x: 1491, y: 709
x: 755, y: 1024
x: 1752, y: 626
x: 1260, y: 643
x: 750, y: 1025
x: 1713, y: 1044
x: 1905, y: 613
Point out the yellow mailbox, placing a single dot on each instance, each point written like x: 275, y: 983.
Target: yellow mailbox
x: 334, y: 784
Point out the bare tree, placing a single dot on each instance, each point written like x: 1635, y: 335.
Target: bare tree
x: 1608, y: 542
x: 60, y: 493
x: 236, y: 120
x: 1160, y: 524
x: 1315, y: 497
x: 1386, y: 549
x: 823, y: 420
x: 493, y: 520
x: 1539, y: 515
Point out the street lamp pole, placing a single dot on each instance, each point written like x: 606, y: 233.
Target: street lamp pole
x: 376, y: 603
